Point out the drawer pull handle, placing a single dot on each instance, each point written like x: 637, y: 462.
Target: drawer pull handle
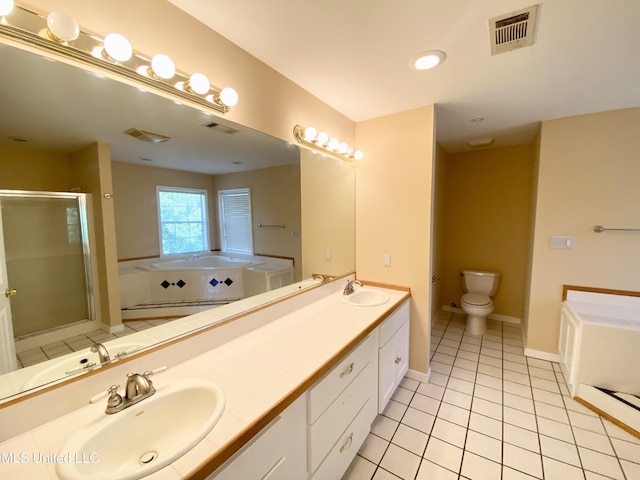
x: 398, y: 359
x: 348, y: 444
x: 347, y: 371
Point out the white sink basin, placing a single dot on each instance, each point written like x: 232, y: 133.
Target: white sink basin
x: 366, y: 297
x: 145, y: 437
x: 72, y: 364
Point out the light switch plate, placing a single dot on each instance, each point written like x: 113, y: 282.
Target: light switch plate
x: 562, y: 242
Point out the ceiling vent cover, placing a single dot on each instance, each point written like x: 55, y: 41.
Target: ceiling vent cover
x: 221, y: 128
x: 148, y: 136
x: 513, y: 30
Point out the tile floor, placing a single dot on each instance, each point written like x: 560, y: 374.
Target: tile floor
x: 491, y: 413
x: 80, y: 342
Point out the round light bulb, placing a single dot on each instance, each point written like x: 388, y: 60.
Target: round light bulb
x: 323, y: 138
x: 6, y: 6
x: 199, y: 83
x: 333, y: 144
x: 163, y: 67
x: 117, y: 47
x: 229, y: 97
x: 343, y: 148
x: 310, y: 134
x: 62, y: 26
x: 358, y: 155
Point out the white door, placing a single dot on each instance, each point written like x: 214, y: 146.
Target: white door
x: 8, y: 361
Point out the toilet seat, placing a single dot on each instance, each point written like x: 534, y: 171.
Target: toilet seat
x: 476, y: 300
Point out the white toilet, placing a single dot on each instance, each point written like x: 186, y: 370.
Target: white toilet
x: 476, y: 302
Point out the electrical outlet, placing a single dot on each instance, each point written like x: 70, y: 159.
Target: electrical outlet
x: 386, y: 260
x: 327, y: 255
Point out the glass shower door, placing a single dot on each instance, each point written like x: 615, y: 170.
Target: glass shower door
x: 46, y: 255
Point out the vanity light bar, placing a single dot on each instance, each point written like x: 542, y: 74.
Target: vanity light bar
x: 58, y: 32
x: 320, y: 141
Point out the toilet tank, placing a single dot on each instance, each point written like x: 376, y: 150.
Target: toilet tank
x: 480, y: 282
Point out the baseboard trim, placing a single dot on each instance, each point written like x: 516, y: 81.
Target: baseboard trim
x: 539, y: 354
x: 505, y: 319
x: 493, y: 316
x: 419, y: 376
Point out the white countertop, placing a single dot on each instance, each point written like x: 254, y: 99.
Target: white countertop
x: 260, y: 372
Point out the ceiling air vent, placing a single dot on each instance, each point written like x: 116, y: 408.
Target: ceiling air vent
x: 148, y: 136
x: 218, y: 127
x: 513, y: 30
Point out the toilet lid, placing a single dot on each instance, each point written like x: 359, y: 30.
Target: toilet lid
x: 476, y: 299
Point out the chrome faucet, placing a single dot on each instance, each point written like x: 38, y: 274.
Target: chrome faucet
x: 317, y: 276
x: 138, y: 387
x: 348, y: 288
x: 101, y: 350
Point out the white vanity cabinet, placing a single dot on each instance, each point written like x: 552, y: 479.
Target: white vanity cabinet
x: 341, y: 408
x: 278, y: 452
x: 393, y: 354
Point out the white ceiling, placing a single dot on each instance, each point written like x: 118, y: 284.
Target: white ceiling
x: 354, y: 55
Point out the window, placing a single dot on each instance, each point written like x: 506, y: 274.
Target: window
x: 182, y: 214
x: 236, y: 234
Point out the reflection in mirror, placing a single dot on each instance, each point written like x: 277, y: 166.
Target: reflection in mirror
x: 61, y: 130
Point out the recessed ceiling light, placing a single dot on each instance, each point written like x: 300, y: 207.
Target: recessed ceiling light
x: 428, y: 59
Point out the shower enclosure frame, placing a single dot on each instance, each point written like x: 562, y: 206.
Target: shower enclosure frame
x: 81, y: 199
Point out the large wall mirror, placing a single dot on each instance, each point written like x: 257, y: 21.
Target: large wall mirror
x: 62, y: 129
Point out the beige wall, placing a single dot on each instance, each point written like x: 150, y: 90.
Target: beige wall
x: 274, y: 189
x: 438, y: 231
x: 136, y: 205
x: 328, y: 214
x: 269, y: 102
x: 589, y: 175
x: 91, y: 171
x: 487, y: 211
x: 275, y: 199
x: 27, y: 168
x: 532, y: 221
x: 393, y: 212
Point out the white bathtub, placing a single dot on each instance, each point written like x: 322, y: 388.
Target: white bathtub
x: 208, y: 261
x: 599, y: 341
x: 208, y: 278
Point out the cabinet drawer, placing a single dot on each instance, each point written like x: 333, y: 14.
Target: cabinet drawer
x: 332, y: 423
x: 393, y: 323
x: 327, y: 389
x: 345, y: 449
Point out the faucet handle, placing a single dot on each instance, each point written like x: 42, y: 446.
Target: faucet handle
x: 114, y: 399
x: 148, y: 373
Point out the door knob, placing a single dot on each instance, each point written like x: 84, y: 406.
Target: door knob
x: 10, y: 292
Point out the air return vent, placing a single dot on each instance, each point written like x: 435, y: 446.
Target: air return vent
x: 218, y: 127
x: 513, y: 30
x: 148, y: 136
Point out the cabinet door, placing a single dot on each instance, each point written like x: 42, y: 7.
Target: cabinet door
x: 279, y: 452
x: 393, y: 364
x: 401, y: 359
